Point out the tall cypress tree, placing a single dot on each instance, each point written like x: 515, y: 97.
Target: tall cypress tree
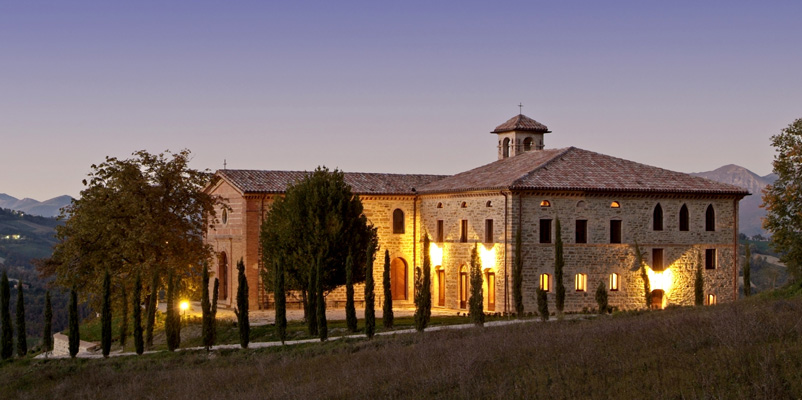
x: 242, y: 306
x: 281, y: 300
x: 215, y: 292
x: 350, y: 309
x: 105, y: 319
x: 47, y: 332
x: 559, y: 264
x: 601, y: 297
x: 423, y: 297
x: 322, y: 325
x: 387, y: 310
x: 699, y: 283
x: 75, y: 332
x: 139, y: 343
x: 206, y: 309
x: 517, y: 276
x: 647, y: 289
x: 150, y: 310
x: 22, y: 339
x: 476, y: 301
x: 370, y: 296
x: 124, y: 317
x: 543, y: 304
x: 747, y: 272
x: 7, y: 340
x: 172, y: 326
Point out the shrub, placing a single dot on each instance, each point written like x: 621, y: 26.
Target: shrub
x: 601, y: 297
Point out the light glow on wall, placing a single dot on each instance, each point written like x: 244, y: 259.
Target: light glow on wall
x: 435, y: 254
x: 660, y: 279
x: 488, y: 256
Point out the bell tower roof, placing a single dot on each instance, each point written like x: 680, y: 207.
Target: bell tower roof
x: 521, y: 123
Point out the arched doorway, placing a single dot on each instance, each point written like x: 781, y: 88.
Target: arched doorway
x: 398, y: 278
x: 222, y: 272
x: 657, y: 299
x: 441, y: 286
x: 463, y: 287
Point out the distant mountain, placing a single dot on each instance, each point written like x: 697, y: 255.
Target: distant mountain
x: 48, y: 208
x: 750, y: 214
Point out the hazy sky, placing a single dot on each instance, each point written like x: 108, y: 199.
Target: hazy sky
x: 404, y: 86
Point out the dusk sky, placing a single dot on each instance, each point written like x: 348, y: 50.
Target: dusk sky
x: 403, y: 87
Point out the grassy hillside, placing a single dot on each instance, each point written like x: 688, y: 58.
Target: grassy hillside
x: 24, y: 237
x: 745, y: 350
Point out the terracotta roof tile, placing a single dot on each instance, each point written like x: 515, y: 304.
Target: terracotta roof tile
x: 574, y: 169
x: 260, y: 181
x: 521, y: 122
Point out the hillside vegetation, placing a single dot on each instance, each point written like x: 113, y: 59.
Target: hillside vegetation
x: 744, y: 350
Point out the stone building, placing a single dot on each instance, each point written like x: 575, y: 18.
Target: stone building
x: 605, y: 207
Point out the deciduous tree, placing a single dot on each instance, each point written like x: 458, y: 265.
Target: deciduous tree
x: 150, y: 310
x: 7, y: 340
x: 387, y: 310
x: 172, y: 323
x: 476, y: 301
x: 123, y: 317
x: 105, y: 318
x: 75, y: 330
x: 139, y: 343
x: 559, y: 264
x: 783, y: 198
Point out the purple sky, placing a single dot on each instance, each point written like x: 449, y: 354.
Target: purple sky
x: 403, y: 87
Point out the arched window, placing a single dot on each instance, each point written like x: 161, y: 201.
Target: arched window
x: 439, y: 205
x: 222, y: 272
x: 491, y: 290
x: 545, y: 282
x: 614, y: 279
x: 615, y: 204
x: 224, y: 217
x: 464, y: 205
x: 581, y: 282
x: 710, y: 219
x: 489, y: 204
x: 545, y: 203
x: 657, y: 218
x: 505, y: 148
x: 711, y: 299
x: 463, y: 287
x: 398, y: 221
x: 441, y: 286
x: 528, y: 144
x: 683, y: 218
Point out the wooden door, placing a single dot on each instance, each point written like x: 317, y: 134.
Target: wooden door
x: 398, y: 278
x: 657, y: 299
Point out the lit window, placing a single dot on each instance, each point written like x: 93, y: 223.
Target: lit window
x: 545, y: 203
x: 581, y: 282
x: 545, y: 282
x: 614, y: 282
x: 489, y: 204
x: 711, y: 299
x: 464, y: 205
x: 710, y: 258
x: 463, y: 287
x: 615, y: 205
x: 491, y: 291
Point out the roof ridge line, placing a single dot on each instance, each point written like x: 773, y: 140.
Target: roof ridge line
x: 542, y: 166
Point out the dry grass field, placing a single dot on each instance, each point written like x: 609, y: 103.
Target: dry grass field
x: 751, y: 349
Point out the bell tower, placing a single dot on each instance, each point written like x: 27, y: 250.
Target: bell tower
x: 519, y: 135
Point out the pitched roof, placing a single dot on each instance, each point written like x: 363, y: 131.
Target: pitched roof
x: 521, y: 122
x: 575, y: 169
x: 260, y: 181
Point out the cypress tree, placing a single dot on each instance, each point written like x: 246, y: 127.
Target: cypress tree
x: 139, y: 343
x: 7, y: 340
x: 242, y: 306
x: 476, y: 301
x: 387, y: 310
x: 423, y: 297
x: 747, y: 272
x: 75, y: 333
x: 311, y: 301
x: 601, y: 297
x: 105, y: 319
x: 350, y: 309
x: 124, y: 319
x: 559, y: 264
x: 699, y: 283
x: 172, y: 326
x: 150, y: 310
x: 370, y: 296
x: 543, y: 304
x: 206, y: 309
x: 47, y: 333
x: 281, y: 301
x: 22, y: 339
x: 215, y: 292
x: 322, y: 326
x: 647, y: 290
x: 517, y: 276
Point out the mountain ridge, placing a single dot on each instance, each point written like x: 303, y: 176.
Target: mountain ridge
x: 48, y: 208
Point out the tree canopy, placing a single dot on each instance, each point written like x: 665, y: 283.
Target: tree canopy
x: 783, y: 198
x: 318, y: 218
x: 144, y: 214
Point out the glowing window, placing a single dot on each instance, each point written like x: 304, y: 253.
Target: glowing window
x: 398, y: 221
x: 545, y: 282
x: 581, y: 282
x: 464, y: 205
x: 614, y: 278
x: 545, y: 203
x: 711, y: 299
x: 491, y: 291
x: 615, y: 204
x: 463, y: 287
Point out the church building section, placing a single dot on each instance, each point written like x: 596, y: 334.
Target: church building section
x: 605, y: 205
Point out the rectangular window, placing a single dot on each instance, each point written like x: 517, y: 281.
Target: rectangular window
x: 488, y: 231
x: 581, y: 282
x: 463, y: 231
x: 711, y: 299
x: 710, y: 259
x: 545, y: 231
x: 491, y: 291
x: 615, y: 231
x: 545, y: 282
x: 614, y: 282
x: 581, y: 231
x: 440, y: 233
x: 657, y: 259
